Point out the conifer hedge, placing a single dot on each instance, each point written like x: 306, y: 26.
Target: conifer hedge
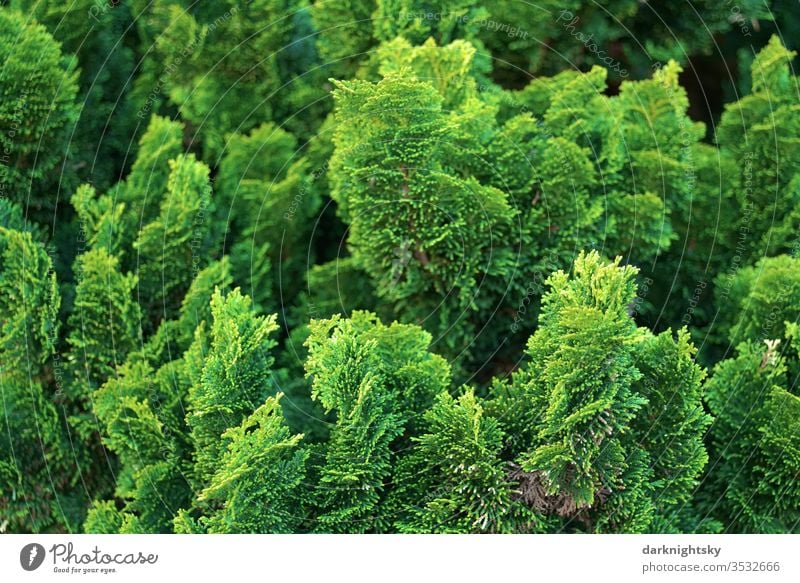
x: 384, y: 266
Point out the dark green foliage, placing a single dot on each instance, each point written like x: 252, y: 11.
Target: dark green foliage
x: 267, y: 198
x: 38, y: 86
x: 254, y: 50
x: 754, y: 442
x: 417, y: 21
x: 174, y: 337
x: 113, y: 220
x: 35, y: 464
x: 528, y: 39
x: 672, y: 424
x: 344, y: 34
x: 315, y: 266
x: 178, y: 238
x: 625, y: 36
x: 759, y: 300
x: 760, y: 131
x: 99, y: 34
x: 148, y: 180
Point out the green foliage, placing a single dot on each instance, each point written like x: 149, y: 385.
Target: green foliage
x: 103, y: 518
x: 142, y: 409
x: 142, y: 413
x: 257, y: 486
x: 418, y: 228
x: 38, y: 86
x: 583, y: 384
x: 177, y: 238
x: 477, y: 175
x: 415, y: 21
x: 148, y: 180
x: 29, y: 302
x: 672, y: 423
x: 759, y: 300
x: 586, y: 416
x: 253, y: 49
x: 760, y: 131
x: 113, y: 220
x: 234, y: 379
x: 344, y: 34
x: 378, y: 379
x: 174, y: 337
x: 100, y: 36
x: 265, y: 191
x: 625, y: 36
x: 105, y: 320
x: 526, y: 39
x: 754, y: 442
x: 197, y: 257
x: 455, y: 481
x: 36, y: 472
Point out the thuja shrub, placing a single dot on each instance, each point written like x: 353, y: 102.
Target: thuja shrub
x: 263, y: 57
x: 759, y: 300
x: 759, y: 131
x: 37, y: 470
x: 256, y: 316
x: 592, y: 445
x: 38, y: 85
x: 259, y: 484
x: 444, y: 185
x: 625, y: 36
x: 456, y: 480
x: 752, y: 481
x: 142, y: 409
x: 523, y: 38
x: 739, y: 207
x: 378, y: 380
x: 100, y: 36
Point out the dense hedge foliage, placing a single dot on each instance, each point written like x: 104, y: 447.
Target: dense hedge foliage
x: 399, y: 266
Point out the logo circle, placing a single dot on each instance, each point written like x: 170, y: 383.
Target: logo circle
x: 31, y: 556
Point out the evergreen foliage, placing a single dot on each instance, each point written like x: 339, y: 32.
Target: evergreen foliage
x: 260, y: 476
x: 586, y: 415
x: 760, y: 300
x: 234, y: 378
x: 760, y: 130
x: 99, y: 35
x: 105, y: 319
x: 480, y: 174
x: 177, y: 238
x: 455, y: 480
x: 392, y: 266
x: 754, y: 441
x: 38, y: 109
x: 36, y: 468
x: 378, y: 380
